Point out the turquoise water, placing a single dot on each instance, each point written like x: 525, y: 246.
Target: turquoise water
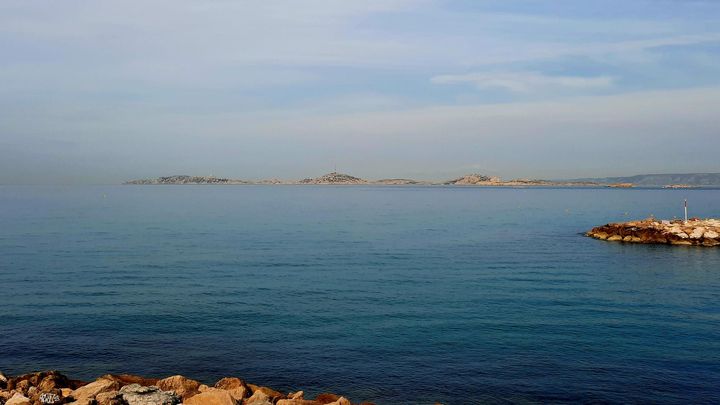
x: 388, y: 294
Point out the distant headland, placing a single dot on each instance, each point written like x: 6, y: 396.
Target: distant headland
x: 670, y: 181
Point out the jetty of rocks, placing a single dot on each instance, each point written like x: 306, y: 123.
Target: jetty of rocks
x: 695, y: 232
x: 54, y: 388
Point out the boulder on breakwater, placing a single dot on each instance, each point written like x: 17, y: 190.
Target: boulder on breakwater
x: 694, y: 232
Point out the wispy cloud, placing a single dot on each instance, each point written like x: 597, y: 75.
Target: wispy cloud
x: 523, y: 81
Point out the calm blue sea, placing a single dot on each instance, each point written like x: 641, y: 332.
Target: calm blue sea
x: 389, y: 294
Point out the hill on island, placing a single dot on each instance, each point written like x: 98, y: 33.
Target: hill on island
x: 471, y: 179
x: 692, y: 179
x: 334, y: 178
x: 184, y: 179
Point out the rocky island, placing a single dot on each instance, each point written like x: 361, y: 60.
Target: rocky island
x: 335, y: 178
x: 676, y: 186
x: 476, y: 179
x: 694, y: 232
x: 54, y: 388
x: 184, y: 179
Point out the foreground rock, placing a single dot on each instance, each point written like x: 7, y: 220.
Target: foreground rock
x: 182, y: 386
x: 53, y: 388
x: 695, y: 232
x: 234, y: 386
x: 88, y: 392
x: 136, y: 394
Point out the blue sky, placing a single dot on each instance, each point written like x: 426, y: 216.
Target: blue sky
x: 100, y: 92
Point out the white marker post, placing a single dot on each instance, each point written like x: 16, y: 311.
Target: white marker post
x: 686, y: 219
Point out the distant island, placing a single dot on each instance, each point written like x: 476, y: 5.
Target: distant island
x: 335, y: 178
x: 669, y: 181
x: 683, y: 180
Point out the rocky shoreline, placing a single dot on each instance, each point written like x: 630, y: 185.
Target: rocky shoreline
x: 694, y: 232
x: 54, y: 388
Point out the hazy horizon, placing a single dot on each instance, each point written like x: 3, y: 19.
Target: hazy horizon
x: 105, y: 92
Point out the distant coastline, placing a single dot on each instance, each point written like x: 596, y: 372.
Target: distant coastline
x: 335, y: 178
x: 669, y: 181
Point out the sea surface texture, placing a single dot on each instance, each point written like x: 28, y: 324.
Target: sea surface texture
x: 397, y: 295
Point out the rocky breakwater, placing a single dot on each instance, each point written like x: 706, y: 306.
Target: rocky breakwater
x: 694, y: 232
x: 53, y: 388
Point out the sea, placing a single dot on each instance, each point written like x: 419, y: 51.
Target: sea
x: 387, y: 294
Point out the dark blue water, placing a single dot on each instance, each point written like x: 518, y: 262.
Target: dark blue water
x: 388, y: 294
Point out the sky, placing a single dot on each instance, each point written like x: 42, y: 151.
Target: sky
x: 105, y: 91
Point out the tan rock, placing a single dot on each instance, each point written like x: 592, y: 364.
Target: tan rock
x: 90, y: 391
x: 258, y: 398
x: 18, y: 399
x: 52, y: 380
x: 296, y: 395
x: 235, y: 386
x: 44, y: 380
x: 341, y: 401
x: 127, y: 379
x: 212, y: 396
x: 681, y: 242
x: 614, y: 238
x: 271, y: 393
x: 710, y: 235
x: 297, y: 401
x: 109, y: 398
x: 5, y: 395
x: 21, y: 386
x: 65, y: 392
x: 183, y: 386
x: 697, y: 233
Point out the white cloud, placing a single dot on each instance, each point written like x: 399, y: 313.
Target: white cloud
x: 524, y: 81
